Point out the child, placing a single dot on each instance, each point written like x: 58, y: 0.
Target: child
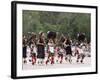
x: 31, y: 47
x: 60, y: 53
x: 33, y: 53
x: 67, y: 45
x: 50, y: 51
x: 81, y: 54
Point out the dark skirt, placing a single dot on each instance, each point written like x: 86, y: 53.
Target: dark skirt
x: 33, y: 54
x: 24, y: 52
x: 68, y: 50
x: 40, y: 52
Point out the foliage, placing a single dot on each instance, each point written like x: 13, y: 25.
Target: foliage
x: 62, y: 22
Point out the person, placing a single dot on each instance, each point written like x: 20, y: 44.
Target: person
x: 61, y: 40
x: 24, y: 49
x: 81, y: 53
x: 41, y: 48
x: 34, y: 54
x: 81, y: 37
x: 32, y: 39
x: 51, y: 52
x: 67, y: 46
x: 61, y: 51
x: 52, y: 35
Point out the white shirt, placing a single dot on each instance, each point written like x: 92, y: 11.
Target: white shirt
x: 51, y: 49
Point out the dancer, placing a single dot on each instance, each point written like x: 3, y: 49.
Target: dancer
x: 61, y: 52
x: 80, y: 54
x: 50, y: 52
x: 67, y: 45
x: 41, y: 48
x: 34, y: 54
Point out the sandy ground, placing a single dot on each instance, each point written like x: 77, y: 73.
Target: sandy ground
x: 65, y: 64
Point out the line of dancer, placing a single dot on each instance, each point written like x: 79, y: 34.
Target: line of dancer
x: 51, y: 49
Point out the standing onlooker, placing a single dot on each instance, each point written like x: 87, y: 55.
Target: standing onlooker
x: 24, y: 48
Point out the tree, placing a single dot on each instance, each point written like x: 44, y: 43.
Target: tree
x: 63, y: 22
